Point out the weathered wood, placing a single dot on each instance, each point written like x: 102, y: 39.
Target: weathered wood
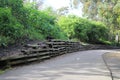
x: 4, y: 64
x: 35, y: 46
x: 34, y: 52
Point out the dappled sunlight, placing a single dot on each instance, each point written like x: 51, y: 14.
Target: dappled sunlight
x: 113, y: 62
x: 36, y: 30
x: 66, y: 67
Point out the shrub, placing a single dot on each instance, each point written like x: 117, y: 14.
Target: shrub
x: 4, y: 40
x: 93, y: 32
x: 44, y: 23
x: 83, y: 29
x: 9, y: 27
x: 32, y: 33
x: 67, y: 25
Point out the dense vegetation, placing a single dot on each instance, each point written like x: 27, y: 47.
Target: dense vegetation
x: 20, y: 19
x: 106, y: 11
x: 84, y: 30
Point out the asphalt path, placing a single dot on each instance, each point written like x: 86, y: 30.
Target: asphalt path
x: 83, y: 65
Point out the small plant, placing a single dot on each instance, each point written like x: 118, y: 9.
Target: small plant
x: 1, y: 71
x: 4, y: 41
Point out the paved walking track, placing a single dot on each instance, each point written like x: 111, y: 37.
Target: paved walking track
x: 83, y: 65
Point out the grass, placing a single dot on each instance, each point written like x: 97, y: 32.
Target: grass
x: 2, y: 71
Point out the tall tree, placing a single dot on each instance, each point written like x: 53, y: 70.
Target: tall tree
x: 107, y: 11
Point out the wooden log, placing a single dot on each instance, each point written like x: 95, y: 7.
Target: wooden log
x: 4, y: 64
x: 36, y: 53
x: 34, y: 46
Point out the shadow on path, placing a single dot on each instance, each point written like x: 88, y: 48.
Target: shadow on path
x: 84, y: 65
x: 113, y: 62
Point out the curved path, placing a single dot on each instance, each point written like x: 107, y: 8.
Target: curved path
x: 83, y: 65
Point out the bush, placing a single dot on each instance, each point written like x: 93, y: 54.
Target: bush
x: 93, y: 32
x: 67, y: 25
x: 33, y: 34
x: 9, y: 25
x: 4, y: 40
x: 44, y: 23
x: 83, y: 29
x: 18, y: 21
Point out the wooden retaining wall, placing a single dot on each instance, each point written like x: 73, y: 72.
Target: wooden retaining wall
x: 33, y: 53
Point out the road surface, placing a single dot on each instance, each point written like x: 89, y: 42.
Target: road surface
x: 83, y: 65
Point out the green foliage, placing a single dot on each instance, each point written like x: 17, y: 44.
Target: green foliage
x: 44, y: 22
x: 9, y: 27
x: 2, y: 71
x: 97, y: 32
x: 32, y: 33
x: 92, y: 32
x: 83, y: 29
x: 67, y: 25
x: 41, y: 21
x: 106, y: 42
x: 19, y: 21
x: 4, y: 40
x: 17, y: 9
x: 107, y: 11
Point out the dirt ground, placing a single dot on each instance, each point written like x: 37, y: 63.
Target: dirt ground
x: 13, y: 50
